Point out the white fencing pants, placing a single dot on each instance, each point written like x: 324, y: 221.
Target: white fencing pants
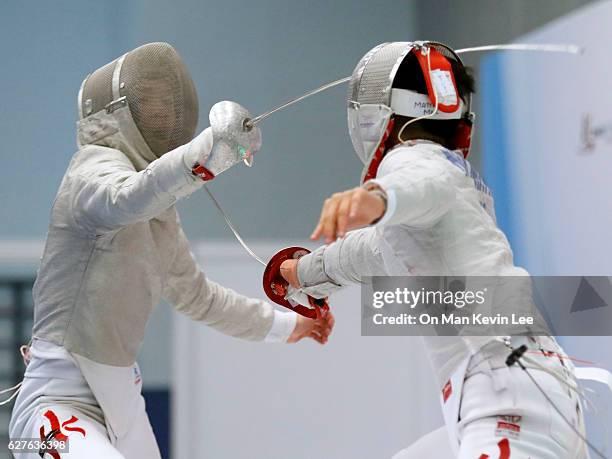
x: 504, y: 416
x: 55, y: 401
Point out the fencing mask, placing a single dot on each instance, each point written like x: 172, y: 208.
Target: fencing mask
x: 374, y: 97
x: 151, y: 95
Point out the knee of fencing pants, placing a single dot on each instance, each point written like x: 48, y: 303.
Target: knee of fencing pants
x: 530, y: 425
x: 509, y: 437
x: 482, y: 396
x: 84, y: 437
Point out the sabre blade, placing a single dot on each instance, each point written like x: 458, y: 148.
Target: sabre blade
x: 250, y: 123
x: 550, y: 48
x: 256, y: 120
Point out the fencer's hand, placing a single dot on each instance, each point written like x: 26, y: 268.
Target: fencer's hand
x: 233, y: 142
x: 288, y: 270
x: 198, y: 149
x: 348, y: 210
x: 316, y: 329
x: 225, y: 143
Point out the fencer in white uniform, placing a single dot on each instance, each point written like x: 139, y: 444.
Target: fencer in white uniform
x: 424, y: 211
x: 115, y: 248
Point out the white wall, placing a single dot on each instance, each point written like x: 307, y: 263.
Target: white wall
x: 357, y: 397
x: 560, y: 192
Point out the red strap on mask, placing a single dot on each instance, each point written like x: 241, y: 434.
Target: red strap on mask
x: 437, y: 62
x: 463, y: 136
x: 379, y: 154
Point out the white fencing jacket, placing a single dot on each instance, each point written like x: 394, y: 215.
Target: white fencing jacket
x: 115, y: 247
x: 439, y: 222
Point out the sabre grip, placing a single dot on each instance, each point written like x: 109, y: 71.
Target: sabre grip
x: 276, y: 287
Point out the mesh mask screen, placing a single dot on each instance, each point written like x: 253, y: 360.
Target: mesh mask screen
x: 161, y: 96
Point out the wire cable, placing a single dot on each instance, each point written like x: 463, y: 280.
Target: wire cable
x: 515, y: 357
x: 229, y: 224
x: 16, y: 388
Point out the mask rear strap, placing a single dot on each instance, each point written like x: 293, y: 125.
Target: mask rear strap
x: 435, y: 65
x: 116, y: 77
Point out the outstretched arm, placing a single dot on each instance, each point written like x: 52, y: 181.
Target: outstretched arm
x: 333, y: 266
x: 111, y: 194
x: 413, y: 187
